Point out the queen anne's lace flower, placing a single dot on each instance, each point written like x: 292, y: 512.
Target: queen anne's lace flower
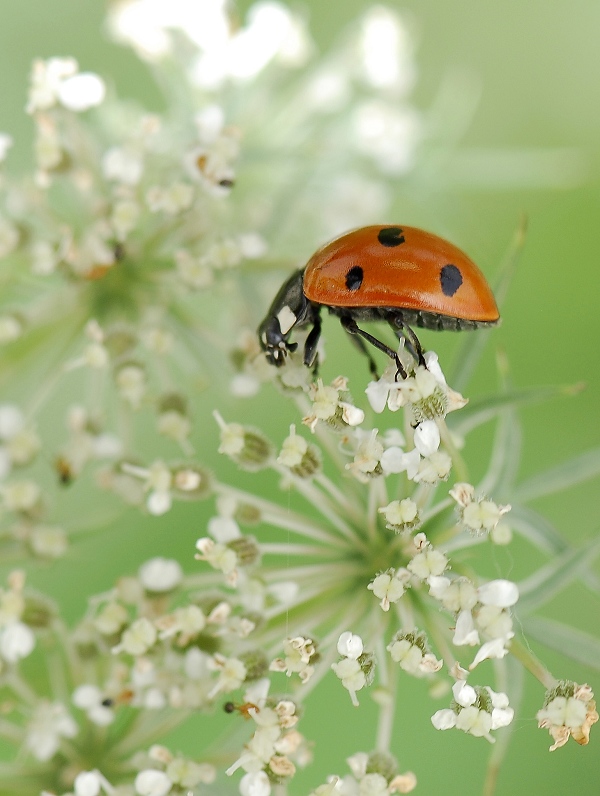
x: 569, y: 711
x: 137, y: 259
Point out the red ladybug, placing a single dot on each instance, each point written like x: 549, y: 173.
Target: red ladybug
x: 401, y: 275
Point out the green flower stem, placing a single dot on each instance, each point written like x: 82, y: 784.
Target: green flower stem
x: 146, y: 728
x: 437, y: 629
x: 377, y: 498
x: 55, y: 369
x: 11, y: 732
x: 279, y: 517
x: 286, y: 548
x: 15, y: 682
x: 352, y: 615
x: 345, y: 500
x: 323, y: 505
x: 387, y: 702
x: 532, y: 664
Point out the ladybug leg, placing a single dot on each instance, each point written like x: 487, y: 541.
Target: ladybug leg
x: 312, y: 341
x: 359, y: 343
x: 351, y: 327
x: 403, y: 330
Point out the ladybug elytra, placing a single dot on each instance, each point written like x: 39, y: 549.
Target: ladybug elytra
x: 402, y: 275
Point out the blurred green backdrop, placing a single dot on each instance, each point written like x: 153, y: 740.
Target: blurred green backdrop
x: 534, y: 70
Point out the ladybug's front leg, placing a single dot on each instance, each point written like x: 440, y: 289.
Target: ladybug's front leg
x: 312, y: 341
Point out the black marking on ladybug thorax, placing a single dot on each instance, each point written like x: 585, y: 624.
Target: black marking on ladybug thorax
x: 450, y: 279
x: 354, y: 277
x: 390, y: 236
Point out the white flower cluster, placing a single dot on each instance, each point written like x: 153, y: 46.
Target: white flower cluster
x: 136, y: 261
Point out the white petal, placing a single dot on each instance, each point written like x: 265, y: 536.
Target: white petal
x: 427, y: 437
x: 152, y: 782
x: 501, y: 593
x: 444, y: 719
x: 82, y: 91
x: 86, y: 696
x: 377, y: 394
x: 158, y: 503
x: 464, y: 694
x: 16, y: 641
x: 465, y: 633
x: 160, y: 574
x: 87, y: 783
x: 491, y: 649
x: 349, y: 645
x: 255, y: 784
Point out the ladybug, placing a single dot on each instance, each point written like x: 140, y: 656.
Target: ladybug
x: 402, y: 275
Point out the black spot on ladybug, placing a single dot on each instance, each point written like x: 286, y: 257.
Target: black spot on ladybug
x: 390, y: 236
x: 354, y: 278
x: 450, y: 279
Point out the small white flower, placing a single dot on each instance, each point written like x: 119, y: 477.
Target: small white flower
x: 122, y: 165
x: 49, y: 542
x: 428, y: 562
x: 87, y: 783
x: 11, y: 327
x: 49, y: 723
x: 255, y: 784
x: 325, y: 400
x: 20, y: 495
x: 401, y: 515
x: 224, y: 529
x: 569, y: 711
x: 151, y: 782
x: 293, y: 449
x: 298, y: 653
x: 46, y: 78
x: 479, y: 711
x: 389, y: 586
x: 131, y: 384
x: 138, y: 638
x: 11, y: 421
x: 160, y: 574
x: 232, y: 674
x: 171, y: 200
x: 219, y: 556
x: 352, y: 676
x: 6, y: 142
x: 17, y: 641
x: 455, y: 595
x: 124, y: 217
x: 435, y: 467
x: 195, y: 272
x: 367, y: 457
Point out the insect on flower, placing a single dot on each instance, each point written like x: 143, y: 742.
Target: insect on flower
x: 243, y: 709
x: 402, y: 275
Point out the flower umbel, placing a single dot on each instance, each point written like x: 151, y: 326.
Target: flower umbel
x: 136, y: 258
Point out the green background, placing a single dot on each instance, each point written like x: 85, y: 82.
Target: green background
x: 537, y: 67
